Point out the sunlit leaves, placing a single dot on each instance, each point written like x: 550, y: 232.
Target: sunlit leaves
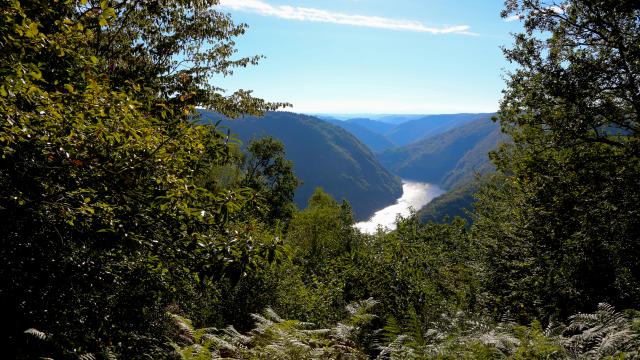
x: 104, y: 222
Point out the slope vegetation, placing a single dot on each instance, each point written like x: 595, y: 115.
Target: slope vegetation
x: 381, y: 135
x: 447, y: 159
x: 366, y: 131
x: 427, y: 126
x: 325, y: 156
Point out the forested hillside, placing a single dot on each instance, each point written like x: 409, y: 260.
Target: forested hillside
x: 463, y: 181
x: 377, y: 126
x: 380, y: 135
x: 325, y: 156
x: 367, y: 132
x: 131, y: 230
x: 447, y: 159
x: 457, y: 202
x: 452, y: 151
x: 428, y: 126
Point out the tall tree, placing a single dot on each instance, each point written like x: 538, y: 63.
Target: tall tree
x: 103, y: 222
x: 268, y: 171
x: 561, y: 228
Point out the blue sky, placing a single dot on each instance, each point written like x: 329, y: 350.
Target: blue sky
x: 374, y: 56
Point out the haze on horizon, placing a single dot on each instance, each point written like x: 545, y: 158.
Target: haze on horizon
x: 373, y: 56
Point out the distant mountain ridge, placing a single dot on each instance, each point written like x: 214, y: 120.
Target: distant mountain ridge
x: 430, y: 125
x: 452, y: 160
x: 376, y: 126
x: 390, y: 131
x: 447, y: 159
x: 374, y: 140
x: 451, y: 150
x: 325, y: 156
x: 332, y: 154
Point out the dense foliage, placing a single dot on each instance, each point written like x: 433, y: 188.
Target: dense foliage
x: 134, y: 229
x: 560, y: 225
x: 457, y: 202
x: 103, y: 222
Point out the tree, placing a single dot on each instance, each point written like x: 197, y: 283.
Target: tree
x: 561, y: 227
x: 103, y: 222
x: 269, y: 173
x: 322, y: 232
x: 176, y: 48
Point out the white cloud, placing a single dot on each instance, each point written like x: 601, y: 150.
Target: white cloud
x: 319, y: 15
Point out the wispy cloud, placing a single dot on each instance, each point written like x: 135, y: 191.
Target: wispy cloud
x: 319, y: 15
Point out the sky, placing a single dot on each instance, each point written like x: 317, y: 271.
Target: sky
x: 373, y: 56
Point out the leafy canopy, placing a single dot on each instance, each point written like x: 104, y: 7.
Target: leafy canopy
x: 560, y: 224
x: 104, y: 222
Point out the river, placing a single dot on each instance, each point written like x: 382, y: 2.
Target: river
x: 415, y: 195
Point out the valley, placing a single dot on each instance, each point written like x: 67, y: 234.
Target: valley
x: 325, y: 156
x: 362, y: 160
x: 398, y: 179
x: 415, y: 195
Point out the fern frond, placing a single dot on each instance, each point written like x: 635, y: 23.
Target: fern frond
x: 270, y: 314
x: 504, y: 342
x: 235, y: 337
x: 109, y: 354
x: 37, y: 334
x: 223, y: 344
x: 361, y: 307
x: 186, y: 330
x: 262, y: 323
x: 554, y: 329
x: 601, y: 334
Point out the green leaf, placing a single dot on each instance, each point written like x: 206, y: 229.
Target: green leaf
x: 37, y: 75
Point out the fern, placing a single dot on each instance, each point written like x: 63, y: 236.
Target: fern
x: 107, y: 353
x: 186, y: 332
x: 277, y: 338
x: 37, y: 334
x: 391, y: 330
x: 601, y: 334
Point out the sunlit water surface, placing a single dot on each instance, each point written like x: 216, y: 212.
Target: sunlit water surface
x: 415, y: 195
